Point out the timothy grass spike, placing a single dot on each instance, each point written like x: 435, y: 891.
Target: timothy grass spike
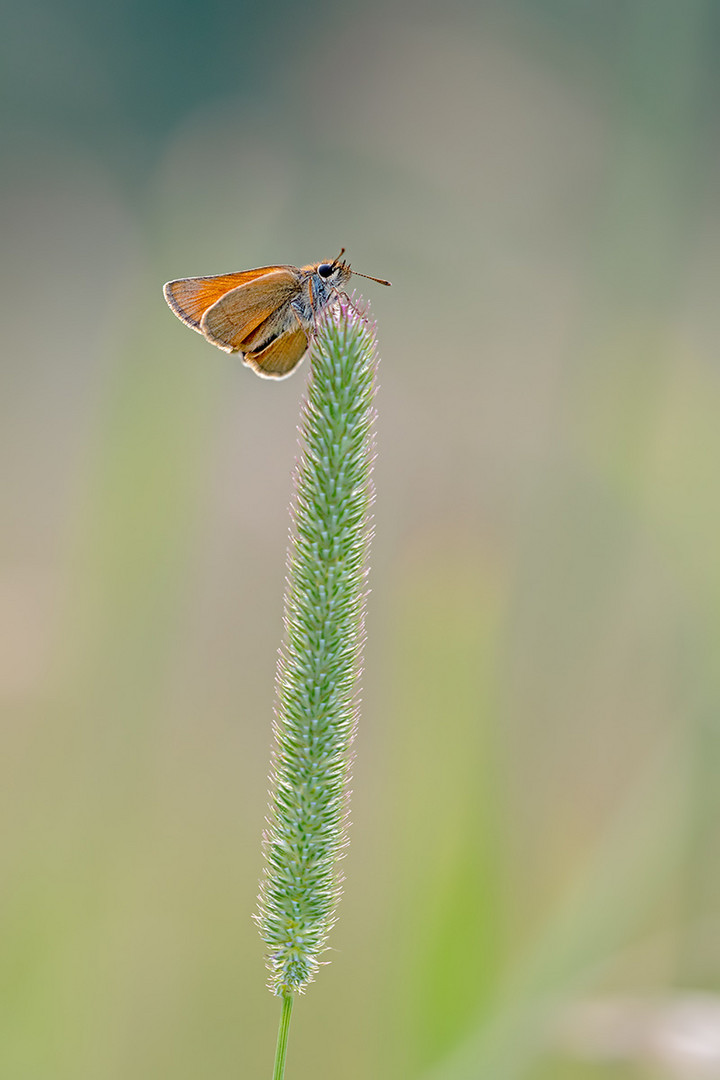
x: 319, y: 663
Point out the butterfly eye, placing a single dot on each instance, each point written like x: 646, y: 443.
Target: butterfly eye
x: 325, y: 270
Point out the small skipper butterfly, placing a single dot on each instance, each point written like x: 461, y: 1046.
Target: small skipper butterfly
x: 266, y: 315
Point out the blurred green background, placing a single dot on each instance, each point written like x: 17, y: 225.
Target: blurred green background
x: 533, y: 887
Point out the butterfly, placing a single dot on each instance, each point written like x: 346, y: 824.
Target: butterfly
x: 267, y: 315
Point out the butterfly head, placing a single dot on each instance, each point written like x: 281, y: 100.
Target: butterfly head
x: 335, y: 273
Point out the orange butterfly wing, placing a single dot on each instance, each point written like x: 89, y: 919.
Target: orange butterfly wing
x: 232, y: 319
x: 280, y: 357
x: 190, y: 298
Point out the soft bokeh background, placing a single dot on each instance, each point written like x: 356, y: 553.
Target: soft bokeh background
x: 533, y: 887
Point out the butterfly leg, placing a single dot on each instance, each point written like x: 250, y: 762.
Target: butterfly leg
x: 342, y: 295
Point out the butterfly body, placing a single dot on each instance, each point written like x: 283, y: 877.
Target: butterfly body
x: 267, y: 315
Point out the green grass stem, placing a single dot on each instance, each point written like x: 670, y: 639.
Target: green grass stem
x: 282, y: 1040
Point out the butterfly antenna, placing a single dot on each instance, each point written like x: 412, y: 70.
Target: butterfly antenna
x: 380, y: 281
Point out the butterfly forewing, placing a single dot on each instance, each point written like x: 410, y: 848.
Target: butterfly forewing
x: 235, y: 315
x: 190, y: 298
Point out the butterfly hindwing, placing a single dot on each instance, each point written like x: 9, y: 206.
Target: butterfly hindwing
x: 281, y: 357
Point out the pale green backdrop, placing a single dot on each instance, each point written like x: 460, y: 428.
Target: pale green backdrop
x: 533, y: 887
